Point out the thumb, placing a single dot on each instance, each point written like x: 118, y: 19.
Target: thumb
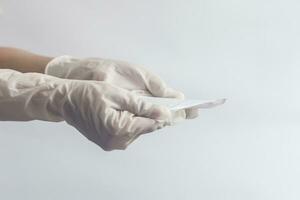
x: 140, y: 107
x: 159, y: 88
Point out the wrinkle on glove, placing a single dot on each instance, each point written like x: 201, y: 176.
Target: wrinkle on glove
x: 131, y: 77
x: 107, y: 115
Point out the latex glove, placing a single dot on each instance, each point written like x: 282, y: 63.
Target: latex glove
x: 132, y: 77
x: 107, y: 115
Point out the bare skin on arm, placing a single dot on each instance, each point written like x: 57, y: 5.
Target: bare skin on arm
x: 23, y: 61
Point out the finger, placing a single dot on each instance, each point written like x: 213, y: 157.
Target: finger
x: 142, y: 108
x: 124, y: 100
x: 146, y: 129
x: 140, y: 125
x: 141, y: 93
x: 183, y: 114
x: 192, y: 113
x: 158, y: 87
x: 153, y: 83
x: 178, y: 116
x: 124, y: 128
x: 172, y: 93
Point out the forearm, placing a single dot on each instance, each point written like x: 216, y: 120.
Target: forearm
x: 21, y: 60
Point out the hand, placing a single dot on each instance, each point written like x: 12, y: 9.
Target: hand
x: 131, y: 77
x: 107, y: 115
x: 110, y: 116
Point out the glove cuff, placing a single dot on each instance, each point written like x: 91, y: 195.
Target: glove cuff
x: 59, y: 66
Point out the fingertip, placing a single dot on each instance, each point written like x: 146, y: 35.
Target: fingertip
x: 192, y: 113
x: 145, y: 125
x: 161, y: 113
x: 152, y: 111
x: 172, y: 93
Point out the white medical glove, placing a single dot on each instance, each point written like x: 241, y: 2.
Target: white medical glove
x: 132, y: 77
x: 107, y: 115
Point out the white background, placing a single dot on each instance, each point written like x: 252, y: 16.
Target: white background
x: 245, y: 50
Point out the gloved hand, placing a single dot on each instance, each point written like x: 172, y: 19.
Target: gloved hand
x: 107, y: 115
x: 132, y: 77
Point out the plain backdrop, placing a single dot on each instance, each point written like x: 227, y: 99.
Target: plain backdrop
x: 245, y: 50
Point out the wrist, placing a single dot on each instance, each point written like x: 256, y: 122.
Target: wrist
x: 59, y: 66
x: 40, y: 63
